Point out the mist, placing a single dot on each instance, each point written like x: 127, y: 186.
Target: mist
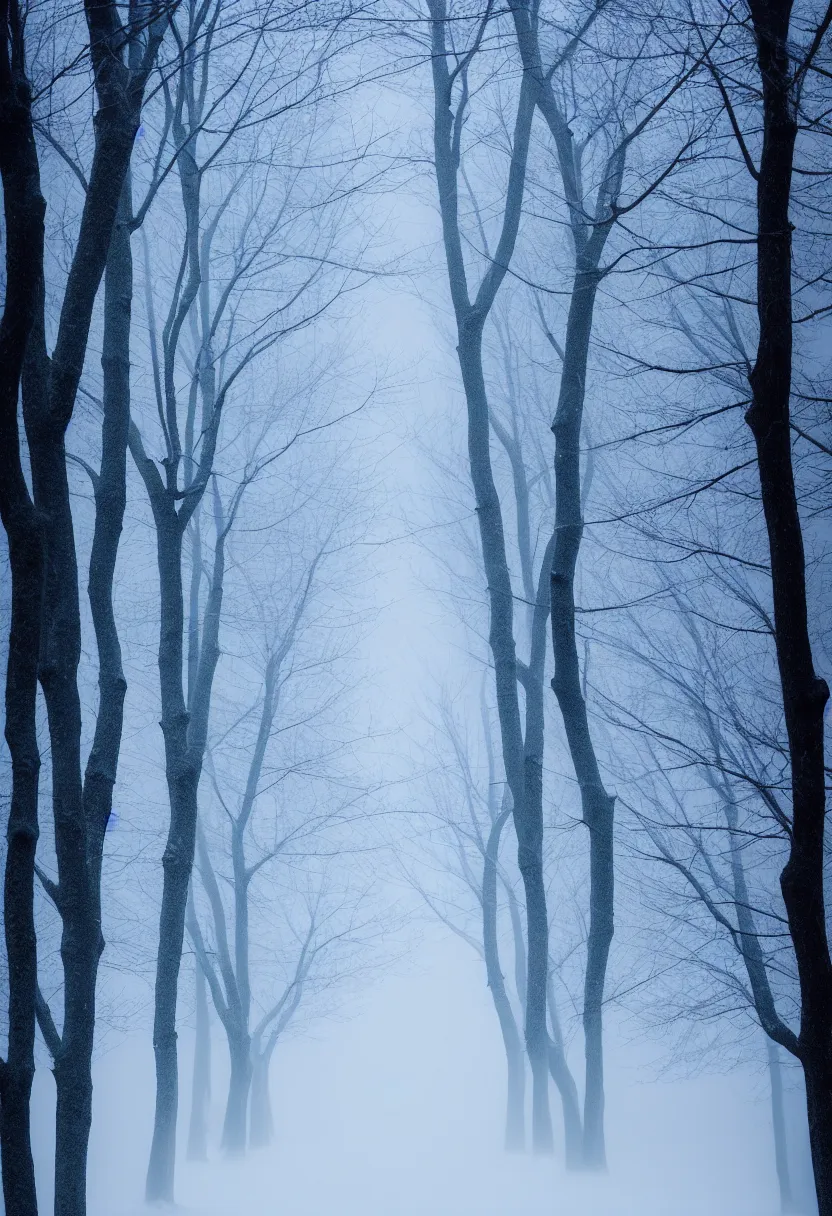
x: 414, y: 477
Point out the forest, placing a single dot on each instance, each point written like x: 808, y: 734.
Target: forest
x: 415, y: 478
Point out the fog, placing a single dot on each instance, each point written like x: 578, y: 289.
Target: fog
x: 408, y: 1120
x: 415, y: 445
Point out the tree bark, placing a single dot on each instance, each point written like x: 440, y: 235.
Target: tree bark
x: 24, y: 210
x: 201, y: 1081
x: 804, y: 693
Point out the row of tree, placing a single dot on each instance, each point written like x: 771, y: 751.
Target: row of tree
x: 633, y: 210
x: 211, y: 151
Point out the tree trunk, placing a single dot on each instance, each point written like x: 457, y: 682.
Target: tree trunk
x: 177, y: 862
x: 528, y: 820
x: 570, y: 1105
x: 573, y: 1134
x: 778, y: 1124
x: 261, y: 1122
x: 234, y: 1124
x: 24, y: 209
x: 804, y: 694
x: 515, y: 1140
x: 81, y: 809
x: 184, y: 736
x: 201, y: 1082
x: 470, y: 320
x: 596, y: 803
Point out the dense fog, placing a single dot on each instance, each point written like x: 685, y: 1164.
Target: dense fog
x: 415, y: 482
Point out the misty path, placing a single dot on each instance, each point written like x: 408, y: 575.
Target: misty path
x: 397, y: 1112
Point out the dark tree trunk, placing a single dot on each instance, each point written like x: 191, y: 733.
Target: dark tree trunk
x: 184, y: 738
x: 236, y: 1109
x: 261, y: 1122
x: 201, y: 1081
x: 597, y: 805
x: 24, y: 210
x: 49, y: 391
x: 177, y: 862
x: 804, y: 693
x: 81, y: 810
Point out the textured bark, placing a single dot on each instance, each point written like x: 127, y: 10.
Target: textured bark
x: 24, y: 210
x: 804, y: 693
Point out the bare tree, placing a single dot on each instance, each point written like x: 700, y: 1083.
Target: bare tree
x: 121, y: 56
x: 451, y: 65
x: 465, y: 800
x: 232, y: 321
x: 24, y: 211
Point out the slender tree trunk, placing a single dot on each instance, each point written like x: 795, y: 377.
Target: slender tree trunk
x: 597, y: 805
x: 24, y: 209
x: 470, y: 320
x: 778, y: 1125
x: 81, y: 810
x: 804, y: 693
x: 515, y: 1139
x: 177, y: 860
x: 201, y: 1082
x: 528, y: 822
x: 234, y: 1124
x: 58, y: 666
x: 261, y: 1122
x: 568, y: 1090
x: 184, y: 737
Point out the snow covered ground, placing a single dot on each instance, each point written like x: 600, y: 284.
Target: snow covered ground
x: 396, y: 1112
